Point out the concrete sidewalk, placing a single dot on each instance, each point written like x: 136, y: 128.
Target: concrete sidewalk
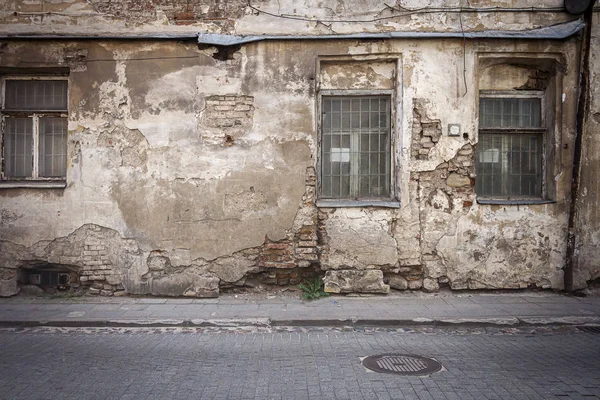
x: 410, y: 309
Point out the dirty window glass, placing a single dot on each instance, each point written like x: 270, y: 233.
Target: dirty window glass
x: 510, y: 113
x: 510, y: 148
x: 36, y: 95
x: 355, y: 152
x: 53, y: 147
x: 18, y: 147
x: 35, y: 129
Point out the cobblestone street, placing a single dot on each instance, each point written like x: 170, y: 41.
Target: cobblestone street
x: 295, y: 363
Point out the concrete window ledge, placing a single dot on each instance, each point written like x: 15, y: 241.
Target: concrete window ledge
x: 357, y: 203
x: 33, y: 184
x: 522, y: 202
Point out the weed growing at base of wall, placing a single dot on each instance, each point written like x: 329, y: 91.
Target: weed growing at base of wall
x: 313, y: 289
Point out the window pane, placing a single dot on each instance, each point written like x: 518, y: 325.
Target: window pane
x: 18, y: 146
x: 36, y: 95
x: 355, y: 151
x: 345, y: 104
x: 509, y: 165
x: 53, y: 147
x: 510, y: 113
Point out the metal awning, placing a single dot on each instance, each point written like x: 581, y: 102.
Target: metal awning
x: 553, y: 32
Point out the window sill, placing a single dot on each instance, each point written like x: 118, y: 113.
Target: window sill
x: 520, y: 202
x: 330, y: 203
x: 33, y: 184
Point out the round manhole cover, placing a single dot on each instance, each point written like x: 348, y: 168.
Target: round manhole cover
x: 402, y: 364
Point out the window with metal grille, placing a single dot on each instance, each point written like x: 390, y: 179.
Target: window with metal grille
x: 34, y: 134
x: 511, y: 143
x: 355, y: 147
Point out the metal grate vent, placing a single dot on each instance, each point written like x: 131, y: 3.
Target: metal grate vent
x: 590, y: 329
x: 402, y: 364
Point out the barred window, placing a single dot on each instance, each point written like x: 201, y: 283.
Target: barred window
x: 34, y: 134
x: 510, y: 149
x: 355, y: 147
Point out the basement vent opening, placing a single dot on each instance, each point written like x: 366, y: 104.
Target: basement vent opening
x: 47, y: 276
x: 590, y: 328
x: 402, y: 364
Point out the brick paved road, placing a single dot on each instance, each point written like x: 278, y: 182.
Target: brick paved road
x: 187, y: 363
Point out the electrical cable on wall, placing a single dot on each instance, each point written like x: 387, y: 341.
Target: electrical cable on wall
x: 403, y: 11
x: 462, y: 31
x: 124, y: 59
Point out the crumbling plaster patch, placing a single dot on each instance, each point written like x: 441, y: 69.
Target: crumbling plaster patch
x: 109, y: 263
x: 93, y: 16
x: 297, y: 122
x: 430, y: 143
x: 185, y: 201
x: 493, y: 254
x: 130, y: 146
x: 587, y: 251
x: 196, y: 211
x: 353, y: 281
x: 357, y: 75
x: 506, y: 248
x: 173, y: 91
x: 178, y: 162
x: 360, y: 239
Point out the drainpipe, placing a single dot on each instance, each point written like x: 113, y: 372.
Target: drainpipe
x: 582, y: 108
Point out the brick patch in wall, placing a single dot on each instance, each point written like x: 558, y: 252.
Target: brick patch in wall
x: 288, y: 277
x: 178, y: 12
x: 278, y: 254
x: 229, y: 112
x: 426, y: 133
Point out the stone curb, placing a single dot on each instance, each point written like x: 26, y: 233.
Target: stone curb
x: 443, y: 322
x: 354, y: 322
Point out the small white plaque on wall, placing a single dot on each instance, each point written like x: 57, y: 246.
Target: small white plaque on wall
x: 453, y: 129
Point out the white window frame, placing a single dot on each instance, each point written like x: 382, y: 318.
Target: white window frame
x: 34, y: 180
x: 543, y: 130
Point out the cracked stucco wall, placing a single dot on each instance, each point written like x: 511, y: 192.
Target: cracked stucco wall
x: 441, y: 235
x: 145, y: 162
x: 244, y: 18
x: 587, y: 251
x: 191, y: 171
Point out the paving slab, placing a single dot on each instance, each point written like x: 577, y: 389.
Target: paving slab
x: 414, y: 308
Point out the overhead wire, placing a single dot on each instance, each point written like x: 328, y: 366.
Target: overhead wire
x: 124, y: 59
x: 464, y: 53
x: 403, y: 11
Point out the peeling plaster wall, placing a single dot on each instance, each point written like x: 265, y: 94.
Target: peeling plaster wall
x: 148, y: 161
x: 441, y: 235
x: 193, y: 169
x: 312, y: 17
x: 587, y: 252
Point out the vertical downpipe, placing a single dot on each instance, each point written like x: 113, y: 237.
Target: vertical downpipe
x: 582, y: 107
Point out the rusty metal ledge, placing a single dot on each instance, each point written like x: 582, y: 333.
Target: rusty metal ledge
x: 330, y: 203
x: 33, y: 184
x: 520, y: 202
x: 553, y: 32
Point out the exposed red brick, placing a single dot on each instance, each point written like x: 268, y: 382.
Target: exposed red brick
x: 278, y: 245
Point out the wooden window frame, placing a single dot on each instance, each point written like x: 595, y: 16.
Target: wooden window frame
x: 542, y: 130
x: 35, y: 180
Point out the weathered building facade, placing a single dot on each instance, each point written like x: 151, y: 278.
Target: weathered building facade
x: 180, y: 148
